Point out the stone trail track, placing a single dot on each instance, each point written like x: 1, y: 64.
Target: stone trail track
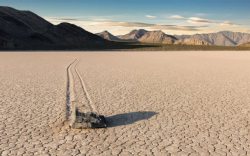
x: 77, y: 94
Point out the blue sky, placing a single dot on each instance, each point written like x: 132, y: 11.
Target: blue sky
x: 121, y: 16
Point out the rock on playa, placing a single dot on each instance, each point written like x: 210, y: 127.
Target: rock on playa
x: 88, y: 120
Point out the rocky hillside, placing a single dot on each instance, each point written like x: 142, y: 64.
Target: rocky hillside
x: 223, y: 38
x: 108, y: 36
x: 145, y: 36
x: 134, y: 35
x: 157, y: 37
x: 26, y: 30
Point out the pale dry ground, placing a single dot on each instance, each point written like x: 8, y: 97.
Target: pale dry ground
x: 157, y: 103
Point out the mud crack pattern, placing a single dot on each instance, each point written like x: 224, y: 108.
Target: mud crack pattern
x: 172, y: 103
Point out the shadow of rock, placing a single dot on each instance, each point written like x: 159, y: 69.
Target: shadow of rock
x: 128, y: 118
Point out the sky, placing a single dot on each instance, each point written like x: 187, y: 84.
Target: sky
x: 121, y: 16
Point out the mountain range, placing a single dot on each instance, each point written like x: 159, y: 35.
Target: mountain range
x: 26, y: 30
x: 108, y: 36
x: 223, y: 38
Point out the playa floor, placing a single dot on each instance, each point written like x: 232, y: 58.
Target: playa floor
x: 156, y: 103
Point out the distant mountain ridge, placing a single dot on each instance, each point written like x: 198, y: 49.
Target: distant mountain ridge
x: 223, y: 38
x: 145, y: 36
x: 134, y: 35
x: 26, y: 30
x: 108, y: 36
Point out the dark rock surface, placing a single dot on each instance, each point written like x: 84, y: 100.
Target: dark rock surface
x: 26, y: 30
x: 89, y: 120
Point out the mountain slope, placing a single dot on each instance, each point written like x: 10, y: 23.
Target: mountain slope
x: 223, y: 38
x: 134, y: 35
x: 108, y: 36
x: 26, y: 30
x: 25, y: 21
x: 157, y: 37
x: 145, y: 36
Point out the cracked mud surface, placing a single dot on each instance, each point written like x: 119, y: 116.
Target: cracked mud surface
x: 172, y: 103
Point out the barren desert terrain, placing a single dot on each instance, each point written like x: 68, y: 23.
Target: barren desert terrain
x: 156, y: 103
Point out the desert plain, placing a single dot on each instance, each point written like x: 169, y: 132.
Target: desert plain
x: 156, y: 103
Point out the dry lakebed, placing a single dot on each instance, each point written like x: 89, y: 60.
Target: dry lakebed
x: 155, y: 103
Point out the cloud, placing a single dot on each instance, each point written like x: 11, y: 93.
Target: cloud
x: 177, y: 27
x: 191, y: 19
x: 152, y: 26
x: 193, y: 25
x: 228, y: 23
x: 176, y: 17
x: 197, y: 20
x: 109, y: 23
x: 64, y: 19
x: 127, y: 24
x: 69, y: 19
x: 150, y: 16
x: 200, y: 20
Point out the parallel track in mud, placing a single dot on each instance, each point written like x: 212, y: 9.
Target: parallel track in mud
x: 76, y: 91
x: 68, y: 93
x: 84, y: 90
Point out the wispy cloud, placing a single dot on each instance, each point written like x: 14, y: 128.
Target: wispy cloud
x: 153, y: 26
x: 188, y: 25
x: 110, y: 23
x: 150, y: 16
x: 191, y: 20
x: 127, y: 24
x: 228, y: 23
x: 195, y: 20
x: 176, y: 17
x: 65, y: 19
x: 199, y: 20
x: 68, y: 19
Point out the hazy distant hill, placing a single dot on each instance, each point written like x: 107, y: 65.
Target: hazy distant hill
x: 134, y: 35
x: 108, y: 36
x: 157, y: 37
x: 26, y: 30
x: 223, y: 38
x: 145, y: 36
